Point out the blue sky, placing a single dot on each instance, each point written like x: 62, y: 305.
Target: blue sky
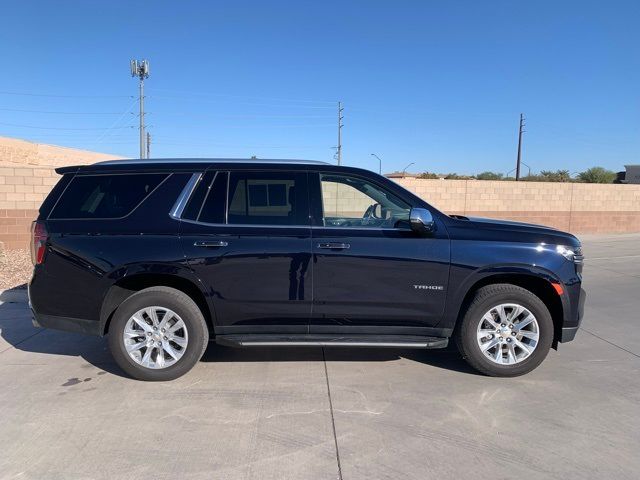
x: 440, y: 84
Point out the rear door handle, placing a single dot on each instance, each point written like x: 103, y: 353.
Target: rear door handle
x: 211, y: 244
x: 334, y: 245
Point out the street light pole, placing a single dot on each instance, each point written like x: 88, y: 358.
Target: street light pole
x: 380, y: 162
x: 404, y: 170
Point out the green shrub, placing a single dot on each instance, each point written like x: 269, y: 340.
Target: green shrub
x: 428, y: 175
x: 489, y: 176
x: 597, y: 175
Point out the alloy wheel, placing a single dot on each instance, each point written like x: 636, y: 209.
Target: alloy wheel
x: 508, y: 334
x: 155, y: 337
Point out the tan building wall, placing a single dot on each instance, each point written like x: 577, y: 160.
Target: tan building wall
x: 26, y: 177
x: 574, y: 207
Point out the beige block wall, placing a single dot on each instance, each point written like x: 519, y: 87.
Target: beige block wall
x: 27, y: 175
x: 343, y: 201
x: 576, y: 207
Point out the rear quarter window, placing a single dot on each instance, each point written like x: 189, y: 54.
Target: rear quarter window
x: 105, y: 196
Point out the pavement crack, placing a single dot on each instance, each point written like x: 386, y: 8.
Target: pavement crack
x: 333, y: 421
x: 610, y: 343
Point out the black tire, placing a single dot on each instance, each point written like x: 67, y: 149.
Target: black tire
x: 485, y: 299
x: 181, y: 304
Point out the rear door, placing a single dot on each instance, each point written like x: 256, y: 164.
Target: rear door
x: 372, y: 273
x: 247, y: 236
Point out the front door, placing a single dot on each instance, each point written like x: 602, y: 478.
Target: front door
x: 246, y: 235
x: 372, y: 273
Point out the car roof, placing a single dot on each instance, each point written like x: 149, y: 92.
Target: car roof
x: 184, y: 164
x: 208, y: 160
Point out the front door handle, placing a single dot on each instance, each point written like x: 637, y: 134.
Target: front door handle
x: 334, y: 245
x: 211, y: 244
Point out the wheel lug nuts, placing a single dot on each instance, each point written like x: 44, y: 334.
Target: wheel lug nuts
x: 513, y: 333
x: 503, y: 325
x: 162, y: 330
x: 165, y: 338
x: 509, y: 340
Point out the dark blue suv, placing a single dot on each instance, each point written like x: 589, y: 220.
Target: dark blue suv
x: 166, y: 255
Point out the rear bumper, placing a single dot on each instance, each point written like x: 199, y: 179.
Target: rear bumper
x: 67, y: 324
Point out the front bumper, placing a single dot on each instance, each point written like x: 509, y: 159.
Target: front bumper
x: 569, y: 333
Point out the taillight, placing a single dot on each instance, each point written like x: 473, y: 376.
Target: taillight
x: 38, y: 242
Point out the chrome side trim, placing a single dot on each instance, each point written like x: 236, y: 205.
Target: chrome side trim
x: 260, y: 225
x: 336, y: 344
x: 243, y: 225
x: 181, y: 202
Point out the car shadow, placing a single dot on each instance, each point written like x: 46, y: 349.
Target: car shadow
x: 17, y: 330
x: 448, y: 358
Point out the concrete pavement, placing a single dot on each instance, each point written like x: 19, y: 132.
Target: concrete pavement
x: 67, y: 412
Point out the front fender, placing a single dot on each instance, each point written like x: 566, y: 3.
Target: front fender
x: 466, y: 281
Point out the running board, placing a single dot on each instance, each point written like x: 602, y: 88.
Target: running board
x: 327, y: 340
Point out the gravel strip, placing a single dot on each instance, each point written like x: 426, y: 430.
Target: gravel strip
x: 15, y: 269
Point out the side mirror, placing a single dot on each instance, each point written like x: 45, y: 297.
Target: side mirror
x: 421, y: 221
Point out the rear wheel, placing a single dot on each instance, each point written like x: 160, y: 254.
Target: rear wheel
x: 158, y: 334
x: 506, y: 331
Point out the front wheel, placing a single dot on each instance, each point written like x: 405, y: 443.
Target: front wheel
x: 506, y: 331
x: 158, y: 334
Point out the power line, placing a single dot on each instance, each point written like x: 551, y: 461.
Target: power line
x: 78, y: 135
x: 223, y: 115
x: 58, y: 113
x: 114, y: 124
x: 28, y: 94
x: 200, y: 100
x: 59, y: 128
x: 222, y: 95
x: 196, y: 144
x: 282, y: 126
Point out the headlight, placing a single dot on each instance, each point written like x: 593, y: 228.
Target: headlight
x: 573, y: 254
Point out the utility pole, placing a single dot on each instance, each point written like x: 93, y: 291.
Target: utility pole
x: 340, y: 118
x: 141, y: 70
x: 148, y: 144
x: 519, y: 161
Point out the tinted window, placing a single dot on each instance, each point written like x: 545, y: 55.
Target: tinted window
x: 105, y: 196
x: 353, y: 202
x: 215, y: 202
x: 192, y: 210
x: 268, y: 198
